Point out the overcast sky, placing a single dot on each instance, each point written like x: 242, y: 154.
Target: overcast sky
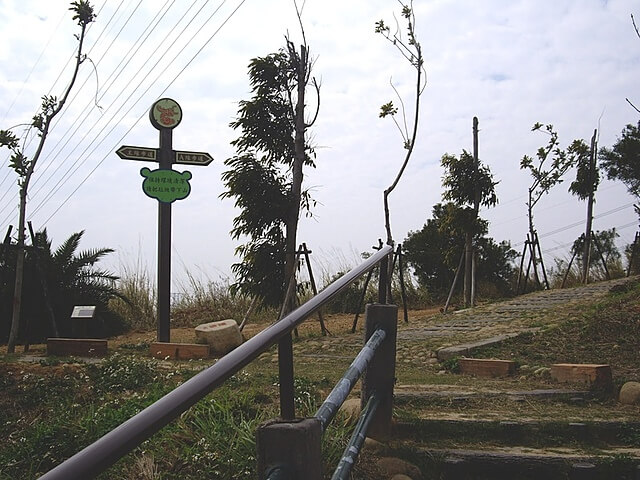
x: 511, y: 63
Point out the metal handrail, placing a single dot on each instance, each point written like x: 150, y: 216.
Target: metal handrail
x: 356, y: 441
x: 105, y: 451
x: 338, y: 395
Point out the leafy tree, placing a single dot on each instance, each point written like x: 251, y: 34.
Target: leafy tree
x: 547, y: 169
x: 468, y: 184
x: 584, y: 187
x: 622, y: 161
x: 55, y: 281
x: 24, y: 167
x: 265, y: 175
x: 433, y: 252
x: 607, y: 254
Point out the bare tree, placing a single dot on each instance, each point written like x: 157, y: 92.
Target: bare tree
x: 411, y: 50
x: 24, y: 167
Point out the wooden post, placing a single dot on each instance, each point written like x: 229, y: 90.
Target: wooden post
x: 453, y: 284
x: 381, y: 372
x: 604, y: 263
x: 524, y: 253
x: 634, y: 252
x: 403, y: 290
x: 473, y: 279
x: 544, y: 272
x: 293, y: 446
x: 566, y: 274
x: 362, y: 297
x: 305, y: 251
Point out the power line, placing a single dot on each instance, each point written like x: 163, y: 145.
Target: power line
x: 564, y: 245
x: 77, y: 91
x: 6, y: 176
x: 67, y: 175
x: 581, y: 222
x: 144, y: 114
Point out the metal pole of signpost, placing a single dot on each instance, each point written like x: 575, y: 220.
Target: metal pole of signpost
x: 164, y: 243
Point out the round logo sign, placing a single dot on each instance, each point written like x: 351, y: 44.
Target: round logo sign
x: 165, y: 113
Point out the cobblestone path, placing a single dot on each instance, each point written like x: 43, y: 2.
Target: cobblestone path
x: 420, y: 340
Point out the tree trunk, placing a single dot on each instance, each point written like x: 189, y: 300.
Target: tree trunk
x: 586, y: 255
x: 298, y: 162
x: 17, y: 297
x: 468, y: 256
x: 48, y: 116
x: 285, y: 346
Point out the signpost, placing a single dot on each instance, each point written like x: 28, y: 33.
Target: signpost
x: 165, y: 185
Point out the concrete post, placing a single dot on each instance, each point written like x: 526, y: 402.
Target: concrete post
x: 296, y: 445
x: 381, y: 372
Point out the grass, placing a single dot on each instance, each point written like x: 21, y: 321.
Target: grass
x: 49, y: 412
x: 52, y: 409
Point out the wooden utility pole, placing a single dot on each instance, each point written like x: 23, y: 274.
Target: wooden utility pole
x: 469, y: 279
x: 586, y: 255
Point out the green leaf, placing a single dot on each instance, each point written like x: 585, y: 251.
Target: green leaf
x: 387, y: 109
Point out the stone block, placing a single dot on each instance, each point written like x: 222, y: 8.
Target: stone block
x: 80, y: 347
x: 594, y: 375
x: 179, y: 351
x: 222, y: 336
x: 484, y: 367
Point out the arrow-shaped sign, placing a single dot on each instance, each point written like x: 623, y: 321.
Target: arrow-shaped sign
x: 128, y: 152
x: 193, y: 158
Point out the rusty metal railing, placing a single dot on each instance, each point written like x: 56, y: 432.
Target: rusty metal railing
x: 105, y: 451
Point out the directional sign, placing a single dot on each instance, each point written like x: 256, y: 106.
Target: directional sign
x: 165, y: 185
x: 193, y: 158
x: 128, y: 152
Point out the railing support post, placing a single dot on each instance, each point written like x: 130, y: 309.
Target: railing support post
x: 295, y: 445
x: 381, y: 372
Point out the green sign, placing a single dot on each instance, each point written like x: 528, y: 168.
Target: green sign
x: 166, y: 186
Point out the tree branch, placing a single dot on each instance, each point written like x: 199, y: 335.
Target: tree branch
x: 632, y: 105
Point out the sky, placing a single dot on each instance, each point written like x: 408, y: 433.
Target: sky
x: 570, y: 63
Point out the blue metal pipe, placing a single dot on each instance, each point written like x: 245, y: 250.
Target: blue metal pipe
x: 338, y: 395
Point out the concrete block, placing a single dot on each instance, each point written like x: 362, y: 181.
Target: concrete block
x: 594, y: 375
x: 179, y: 351
x: 79, y: 347
x: 483, y: 367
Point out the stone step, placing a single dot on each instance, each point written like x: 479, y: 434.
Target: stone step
x: 410, y: 393
x: 531, y: 464
x: 530, y: 433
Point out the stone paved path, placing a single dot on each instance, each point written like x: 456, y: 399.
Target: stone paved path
x: 504, y: 317
x: 424, y: 338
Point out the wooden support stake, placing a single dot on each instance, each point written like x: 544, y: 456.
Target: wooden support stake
x: 455, y: 280
x: 314, y: 289
x: 403, y: 290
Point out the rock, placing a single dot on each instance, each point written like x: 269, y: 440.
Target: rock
x: 222, y: 337
x: 630, y: 393
x: 350, y: 409
x: 400, y: 476
x: 374, y: 446
x: 392, y: 466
